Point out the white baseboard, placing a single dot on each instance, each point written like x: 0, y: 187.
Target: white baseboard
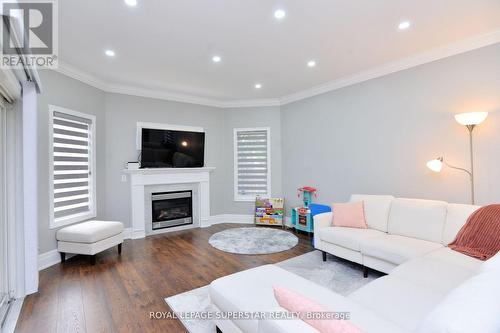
x: 127, y: 233
x: 229, y: 218
x: 48, y: 259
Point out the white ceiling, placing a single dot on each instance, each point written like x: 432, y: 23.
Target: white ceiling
x: 167, y: 45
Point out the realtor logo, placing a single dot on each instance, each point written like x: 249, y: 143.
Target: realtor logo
x: 29, y: 34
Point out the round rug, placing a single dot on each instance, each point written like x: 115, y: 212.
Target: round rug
x: 253, y: 240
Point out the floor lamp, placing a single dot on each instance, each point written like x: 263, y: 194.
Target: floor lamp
x: 469, y: 120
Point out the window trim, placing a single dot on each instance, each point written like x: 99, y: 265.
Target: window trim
x: 246, y: 198
x: 92, y: 180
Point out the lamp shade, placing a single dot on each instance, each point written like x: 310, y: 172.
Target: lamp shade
x: 471, y: 118
x: 435, y: 165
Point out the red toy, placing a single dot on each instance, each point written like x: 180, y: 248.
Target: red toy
x: 309, y: 189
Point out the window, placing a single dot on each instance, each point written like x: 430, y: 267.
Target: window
x: 72, y: 166
x: 252, y: 163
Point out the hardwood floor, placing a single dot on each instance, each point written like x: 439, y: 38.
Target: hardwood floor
x: 117, y: 294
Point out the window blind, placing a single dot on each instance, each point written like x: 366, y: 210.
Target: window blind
x: 72, y: 145
x: 251, y: 164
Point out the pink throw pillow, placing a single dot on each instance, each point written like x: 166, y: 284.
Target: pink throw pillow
x: 350, y: 215
x: 297, y: 303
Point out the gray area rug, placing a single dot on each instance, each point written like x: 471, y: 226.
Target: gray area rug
x: 336, y: 274
x: 255, y: 240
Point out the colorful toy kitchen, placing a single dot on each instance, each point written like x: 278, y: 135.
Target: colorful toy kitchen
x: 302, y: 217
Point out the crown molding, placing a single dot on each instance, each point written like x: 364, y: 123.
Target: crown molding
x: 396, y: 66
x: 251, y: 103
x: 388, y: 68
x: 94, y: 81
x: 80, y: 75
x: 163, y: 94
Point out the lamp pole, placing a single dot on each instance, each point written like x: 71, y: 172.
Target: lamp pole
x: 471, y: 128
x: 464, y: 170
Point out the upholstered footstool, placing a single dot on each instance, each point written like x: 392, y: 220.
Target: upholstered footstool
x: 89, y: 238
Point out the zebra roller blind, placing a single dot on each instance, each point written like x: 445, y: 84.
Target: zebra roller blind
x: 72, y: 167
x: 252, y: 163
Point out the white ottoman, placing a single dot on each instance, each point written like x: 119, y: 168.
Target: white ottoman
x: 89, y: 238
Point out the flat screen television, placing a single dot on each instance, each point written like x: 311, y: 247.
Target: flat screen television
x: 172, y: 149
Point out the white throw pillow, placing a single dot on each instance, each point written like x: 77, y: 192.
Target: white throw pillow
x: 492, y: 264
x: 473, y: 306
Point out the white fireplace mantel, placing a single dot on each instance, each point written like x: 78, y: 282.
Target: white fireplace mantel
x: 140, y: 179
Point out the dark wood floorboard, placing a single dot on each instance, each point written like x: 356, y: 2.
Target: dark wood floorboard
x: 117, y: 294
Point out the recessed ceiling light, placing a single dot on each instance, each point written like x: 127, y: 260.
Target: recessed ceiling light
x: 404, y: 25
x: 216, y: 58
x: 311, y: 63
x: 131, y: 3
x: 258, y: 86
x: 110, y: 53
x: 279, y: 14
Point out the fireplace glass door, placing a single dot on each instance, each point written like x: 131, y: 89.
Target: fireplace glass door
x: 172, y: 209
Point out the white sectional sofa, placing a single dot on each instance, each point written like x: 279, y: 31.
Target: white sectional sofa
x: 398, y: 230
x: 430, y: 288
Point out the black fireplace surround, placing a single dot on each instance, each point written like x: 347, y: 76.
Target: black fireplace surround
x: 172, y: 209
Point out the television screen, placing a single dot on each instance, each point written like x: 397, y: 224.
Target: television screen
x: 172, y: 149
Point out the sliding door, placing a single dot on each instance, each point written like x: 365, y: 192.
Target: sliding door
x: 4, y: 274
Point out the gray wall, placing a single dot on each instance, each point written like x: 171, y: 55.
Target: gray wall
x: 122, y: 114
x: 243, y: 118
x: 376, y: 136
x: 62, y: 91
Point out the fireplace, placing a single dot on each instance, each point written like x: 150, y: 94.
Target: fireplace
x: 172, y: 209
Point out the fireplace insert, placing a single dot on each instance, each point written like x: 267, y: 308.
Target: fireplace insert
x: 172, y: 209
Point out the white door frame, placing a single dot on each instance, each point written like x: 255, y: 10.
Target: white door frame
x: 4, y: 230
x: 30, y: 187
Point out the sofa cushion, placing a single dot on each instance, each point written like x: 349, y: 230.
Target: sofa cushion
x: 397, y: 300
x: 376, y: 209
x: 456, y: 216
x: 423, y: 219
x: 89, y: 248
x: 89, y: 232
x: 433, y: 274
x: 471, y: 307
x: 348, y: 237
x: 232, y: 293
x: 445, y: 254
x: 396, y: 249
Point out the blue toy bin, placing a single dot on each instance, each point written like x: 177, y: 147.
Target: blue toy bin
x: 318, y: 209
